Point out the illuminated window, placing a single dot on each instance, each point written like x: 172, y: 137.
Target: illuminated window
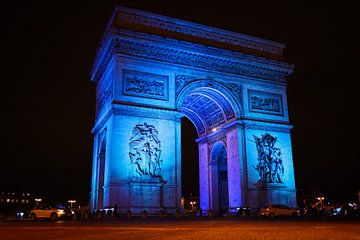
x: 8, y: 200
x: 27, y: 200
x: 12, y: 200
x: 22, y: 200
x: 17, y: 201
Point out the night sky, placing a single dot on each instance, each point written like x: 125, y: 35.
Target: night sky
x: 48, y: 101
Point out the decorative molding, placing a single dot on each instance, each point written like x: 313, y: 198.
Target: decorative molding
x: 235, y: 88
x: 220, y: 137
x: 123, y: 108
x: 267, y: 128
x: 147, y: 85
x: 181, y: 81
x: 166, y: 25
x: 187, y: 58
x: 196, y: 120
x: 103, y: 97
x: 265, y: 102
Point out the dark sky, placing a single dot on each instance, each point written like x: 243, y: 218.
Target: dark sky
x: 48, y: 101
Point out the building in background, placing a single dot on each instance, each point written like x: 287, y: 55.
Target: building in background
x: 12, y: 203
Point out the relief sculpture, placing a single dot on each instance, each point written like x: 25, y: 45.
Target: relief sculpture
x: 269, y: 167
x: 145, y: 150
x: 263, y: 102
x: 145, y: 85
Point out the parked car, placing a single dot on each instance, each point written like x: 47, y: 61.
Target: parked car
x: 274, y: 210
x: 51, y: 211
x: 83, y: 212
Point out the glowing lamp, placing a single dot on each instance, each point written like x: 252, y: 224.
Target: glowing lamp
x: 71, y: 202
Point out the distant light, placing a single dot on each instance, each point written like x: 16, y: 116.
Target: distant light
x: 71, y: 203
x: 20, y: 214
x: 214, y: 129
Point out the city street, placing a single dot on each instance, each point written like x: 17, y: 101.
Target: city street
x: 171, y: 228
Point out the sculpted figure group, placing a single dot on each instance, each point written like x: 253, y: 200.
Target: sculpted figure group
x: 269, y: 167
x: 145, y: 150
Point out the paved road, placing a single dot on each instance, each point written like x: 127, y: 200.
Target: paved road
x: 199, y: 229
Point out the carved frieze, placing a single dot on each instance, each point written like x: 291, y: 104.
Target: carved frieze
x: 191, y: 59
x: 264, y: 102
x: 148, y: 85
x: 133, y: 19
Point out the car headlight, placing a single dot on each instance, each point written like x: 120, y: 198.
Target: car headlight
x: 60, y: 210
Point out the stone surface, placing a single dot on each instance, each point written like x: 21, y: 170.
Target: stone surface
x: 147, y: 82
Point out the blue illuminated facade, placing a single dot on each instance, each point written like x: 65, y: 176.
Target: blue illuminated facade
x: 150, y: 72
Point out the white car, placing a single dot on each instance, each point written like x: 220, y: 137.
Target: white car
x: 274, y: 210
x: 52, y: 212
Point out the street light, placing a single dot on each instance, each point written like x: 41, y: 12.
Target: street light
x: 192, y: 205
x: 321, y: 199
x: 37, y: 200
x: 71, y: 202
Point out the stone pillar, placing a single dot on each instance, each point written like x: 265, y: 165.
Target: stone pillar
x: 234, y: 168
x: 93, y: 193
x: 204, y: 176
x: 213, y: 186
x: 178, y: 162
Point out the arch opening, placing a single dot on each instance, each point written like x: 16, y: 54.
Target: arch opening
x: 219, y: 177
x: 189, y: 165
x: 207, y: 108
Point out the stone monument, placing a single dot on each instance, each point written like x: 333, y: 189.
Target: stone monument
x: 150, y: 71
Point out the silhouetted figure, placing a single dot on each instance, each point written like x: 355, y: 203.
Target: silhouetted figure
x: 144, y: 215
x: 128, y: 214
x: 116, y: 210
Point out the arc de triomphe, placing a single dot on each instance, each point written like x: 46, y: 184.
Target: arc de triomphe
x: 151, y: 71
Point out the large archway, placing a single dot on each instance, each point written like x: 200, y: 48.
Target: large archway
x: 212, y: 108
x: 150, y: 72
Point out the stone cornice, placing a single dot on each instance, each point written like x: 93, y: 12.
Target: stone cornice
x: 130, y: 109
x: 245, y: 124
x: 193, y: 32
x: 149, y: 50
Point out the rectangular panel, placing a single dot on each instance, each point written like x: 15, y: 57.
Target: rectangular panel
x: 146, y: 85
x: 265, y: 102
